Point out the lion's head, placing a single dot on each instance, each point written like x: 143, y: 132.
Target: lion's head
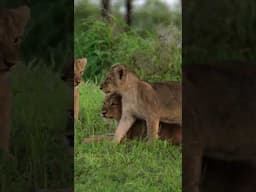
x: 12, y: 24
x: 112, y: 107
x: 79, y: 67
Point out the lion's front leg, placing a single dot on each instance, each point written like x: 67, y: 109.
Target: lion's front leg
x: 124, y: 125
x: 98, y: 138
x: 152, y: 128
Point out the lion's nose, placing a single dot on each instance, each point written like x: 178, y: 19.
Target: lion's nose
x: 101, y: 87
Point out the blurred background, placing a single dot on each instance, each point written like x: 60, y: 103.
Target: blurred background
x: 143, y: 34
x: 217, y: 31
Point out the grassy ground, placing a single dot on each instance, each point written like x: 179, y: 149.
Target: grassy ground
x: 133, y: 166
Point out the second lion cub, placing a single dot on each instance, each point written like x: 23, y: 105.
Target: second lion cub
x: 140, y: 101
x: 112, y: 109
x: 79, y: 66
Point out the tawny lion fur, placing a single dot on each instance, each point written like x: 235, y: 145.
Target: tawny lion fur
x: 79, y: 67
x: 141, y: 101
x: 112, y: 109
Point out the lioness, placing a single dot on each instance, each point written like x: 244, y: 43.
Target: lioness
x: 12, y: 24
x: 141, y: 101
x: 112, y: 109
x: 219, y: 110
x: 79, y: 66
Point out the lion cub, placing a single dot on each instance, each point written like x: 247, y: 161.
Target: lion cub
x: 79, y: 66
x: 112, y: 109
x: 140, y: 101
x: 12, y: 24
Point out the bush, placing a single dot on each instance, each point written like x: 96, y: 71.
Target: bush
x: 152, y: 56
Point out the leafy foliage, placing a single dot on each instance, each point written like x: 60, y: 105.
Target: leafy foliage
x: 151, y: 46
x: 153, y: 57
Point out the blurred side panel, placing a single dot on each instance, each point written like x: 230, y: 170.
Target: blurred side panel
x: 36, y: 96
x: 219, y: 109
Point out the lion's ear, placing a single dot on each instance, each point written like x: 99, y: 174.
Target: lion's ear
x: 21, y: 15
x: 121, y: 71
x: 83, y: 62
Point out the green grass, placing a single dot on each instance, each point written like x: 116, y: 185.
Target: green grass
x: 132, y: 166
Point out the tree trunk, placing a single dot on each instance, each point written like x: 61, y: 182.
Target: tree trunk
x: 105, y: 9
x: 129, y: 12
